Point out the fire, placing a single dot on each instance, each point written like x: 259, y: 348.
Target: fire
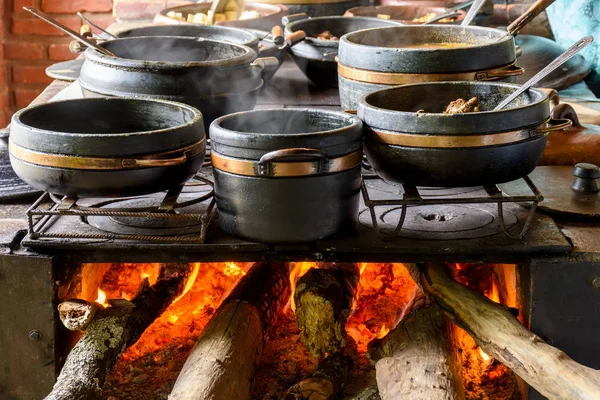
x: 102, y: 298
x: 483, y: 355
x: 297, y: 271
x: 232, y: 269
x: 190, y: 281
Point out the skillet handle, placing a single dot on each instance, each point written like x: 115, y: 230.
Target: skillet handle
x: 533, y: 11
x: 132, y: 162
x: 499, y: 74
x: 555, y: 125
x: 266, y: 64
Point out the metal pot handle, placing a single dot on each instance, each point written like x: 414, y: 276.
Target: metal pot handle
x: 288, y: 19
x: 555, y: 125
x: 499, y: 74
x: 264, y: 164
x: 132, y: 162
x: 266, y: 64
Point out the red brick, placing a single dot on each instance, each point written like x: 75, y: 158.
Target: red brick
x: 25, y: 96
x: 30, y: 74
x: 4, y: 99
x: 72, y: 6
x: 24, y: 51
x: 19, y: 4
x: 35, y: 26
x: 4, y: 118
x: 4, y: 80
x: 135, y: 9
x: 60, y: 52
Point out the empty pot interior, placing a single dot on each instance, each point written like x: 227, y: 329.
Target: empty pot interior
x: 285, y: 122
x: 415, y: 36
x: 173, y: 49
x: 434, y: 97
x: 106, y: 116
x: 338, y: 26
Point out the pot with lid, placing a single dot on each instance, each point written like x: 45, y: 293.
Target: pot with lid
x: 216, y: 77
x: 107, y: 147
x: 378, y: 58
x: 286, y: 175
x: 409, y: 140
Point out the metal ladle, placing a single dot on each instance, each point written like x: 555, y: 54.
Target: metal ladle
x: 42, y: 15
x: 477, y: 4
x: 557, y: 62
x: 92, y: 24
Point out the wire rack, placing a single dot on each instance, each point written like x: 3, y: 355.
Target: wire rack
x: 412, y: 197
x: 45, y: 212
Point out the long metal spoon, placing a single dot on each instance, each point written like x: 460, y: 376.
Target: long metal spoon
x: 472, y: 12
x: 450, y: 13
x: 74, y: 35
x: 557, y: 62
x: 90, y: 23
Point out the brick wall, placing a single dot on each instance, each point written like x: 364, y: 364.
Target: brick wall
x: 29, y: 45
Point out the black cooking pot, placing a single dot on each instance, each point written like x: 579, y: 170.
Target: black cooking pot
x: 316, y: 57
x: 210, y: 32
x: 107, y: 147
x: 383, y: 57
x: 286, y: 175
x: 216, y: 77
x: 434, y: 149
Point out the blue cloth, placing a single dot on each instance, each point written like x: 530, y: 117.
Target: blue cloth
x: 571, y: 20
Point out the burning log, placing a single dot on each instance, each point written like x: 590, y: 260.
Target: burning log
x: 417, y: 360
x: 325, y: 382
x: 76, y: 314
x: 496, y: 330
x: 323, y: 301
x: 223, y: 361
x: 110, y: 332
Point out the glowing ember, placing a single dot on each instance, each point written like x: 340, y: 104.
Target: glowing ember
x: 232, y: 269
x: 484, y: 355
x: 102, y: 298
x: 190, y: 281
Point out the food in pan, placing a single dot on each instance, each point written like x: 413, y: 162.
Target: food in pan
x: 232, y: 12
x: 461, y: 106
x: 428, y: 16
x: 326, y: 35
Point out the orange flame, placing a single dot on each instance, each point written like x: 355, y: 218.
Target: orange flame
x: 102, y: 298
x: 484, y: 355
x: 298, y: 270
x: 190, y: 281
x: 232, y: 269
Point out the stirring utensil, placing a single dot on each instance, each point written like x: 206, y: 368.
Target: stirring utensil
x: 449, y: 13
x: 557, y: 62
x: 92, y: 24
x: 528, y: 16
x: 42, y: 15
x: 477, y: 4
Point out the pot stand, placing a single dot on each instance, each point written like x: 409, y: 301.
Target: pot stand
x: 411, y: 196
x: 168, y: 224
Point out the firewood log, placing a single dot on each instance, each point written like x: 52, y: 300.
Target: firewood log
x: 76, y: 314
x: 323, y: 300
x: 223, y: 362
x: 112, y: 331
x: 325, y: 382
x: 417, y: 359
x: 496, y: 330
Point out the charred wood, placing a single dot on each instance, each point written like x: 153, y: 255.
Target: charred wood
x: 223, y: 362
x: 417, y: 359
x: 110, y: 332
x: 323, y: 299
x: 325, y: 382
x: 496, y: 330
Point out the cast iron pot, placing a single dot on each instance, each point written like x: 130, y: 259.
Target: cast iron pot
x: 316, y: 57
x: 216, y: 77
x: 230, y: 34
x: 442, y: 150
x: 377, y: 58
x: 286, y: 175
x: 108, y: 147
x: 270, y: 15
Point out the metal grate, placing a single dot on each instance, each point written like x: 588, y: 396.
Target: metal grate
x: 412, y: 197
x: 48, y: 208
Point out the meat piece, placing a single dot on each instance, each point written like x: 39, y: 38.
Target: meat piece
x: 460, y: 106
x: 326, y: 35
